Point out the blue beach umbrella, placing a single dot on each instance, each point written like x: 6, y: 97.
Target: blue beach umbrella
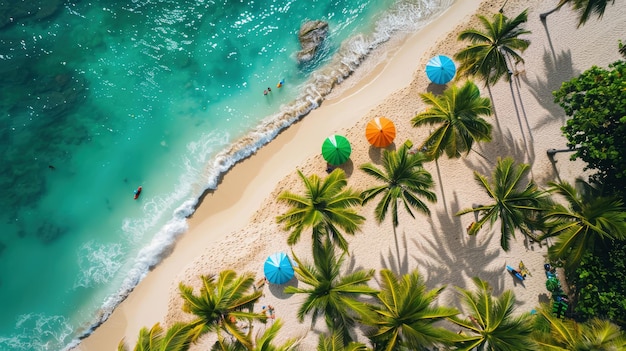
x: 440, y: 69
x: 278, y: 268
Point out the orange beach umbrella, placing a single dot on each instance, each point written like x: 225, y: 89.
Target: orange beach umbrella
x: 380, y: 132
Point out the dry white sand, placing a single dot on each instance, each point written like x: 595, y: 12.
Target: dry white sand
x: 235, y: 226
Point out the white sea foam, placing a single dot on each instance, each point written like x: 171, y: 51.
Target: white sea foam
x: 98, y: 263
x: 403, y: 18
x: 37, y: 332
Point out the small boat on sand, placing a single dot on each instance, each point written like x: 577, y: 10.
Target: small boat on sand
x: 515, y: 272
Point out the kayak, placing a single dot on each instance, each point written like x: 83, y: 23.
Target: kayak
x: 137, y: 192
x: 517, y: 274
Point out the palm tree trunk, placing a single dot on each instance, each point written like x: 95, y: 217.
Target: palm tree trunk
x: 395, y: 236
x: 519, y: 119
x: 502, y: 8
x: 518, y: 88
x: 543, y: 16
x: 515, y: 103
x: 443, y: 195
x: 483, y: 156
x: 493, y: 107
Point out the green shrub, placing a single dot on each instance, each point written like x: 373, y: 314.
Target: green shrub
x: 600, y: 284
x: 596, y: 103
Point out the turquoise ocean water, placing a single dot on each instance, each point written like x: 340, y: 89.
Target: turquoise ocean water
x: 100, y: 97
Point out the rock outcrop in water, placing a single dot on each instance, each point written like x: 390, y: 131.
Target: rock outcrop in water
x: 311, y: 35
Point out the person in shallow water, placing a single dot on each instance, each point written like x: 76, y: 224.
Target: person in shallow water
x: 280, y: 84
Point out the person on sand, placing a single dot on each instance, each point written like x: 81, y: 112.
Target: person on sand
x: 269, y: 311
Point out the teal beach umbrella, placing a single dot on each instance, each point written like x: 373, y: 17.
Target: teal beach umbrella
x: 336, y: 149
x: 278, y: 268
x: 440, y: 69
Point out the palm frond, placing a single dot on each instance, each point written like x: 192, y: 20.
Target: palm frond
x: 486, y: 56
x: 491, y: 322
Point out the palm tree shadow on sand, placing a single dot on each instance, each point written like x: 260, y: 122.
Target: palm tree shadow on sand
x: 347, y: 167
x: 453, y: 256
x: 278, y: 290
x: 394, y: 263
x: 502, y: 145
x: 558, y: 69
x: 436, y: 89
x: 376, y: 153
x: 493, y: 108
x: 520, y: 112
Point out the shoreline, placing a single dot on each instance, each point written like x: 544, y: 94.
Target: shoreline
x: 153, y: 306
x: 233, y: 208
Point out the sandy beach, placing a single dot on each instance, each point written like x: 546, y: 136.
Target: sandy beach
x: 235, y: 226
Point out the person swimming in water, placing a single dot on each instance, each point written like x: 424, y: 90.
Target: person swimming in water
x: 280, y: 84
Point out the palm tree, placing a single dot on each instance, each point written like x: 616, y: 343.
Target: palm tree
x: 406, y: 315
x: 490, y: 51
x: 555, y: 334
x: 262, y: 342
x: 590, y: 219
x: 222, y: 303
x: 328, y: 293
x: 326, y: 207
x: 457, y: 113
x: 585, y: 9
x: 517, y: 203
x: 491, y: 323
x: 403, y: 178
x: 335, y: 343
x: 177, y: 338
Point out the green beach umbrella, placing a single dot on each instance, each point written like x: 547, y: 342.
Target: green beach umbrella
x: 336, y: 149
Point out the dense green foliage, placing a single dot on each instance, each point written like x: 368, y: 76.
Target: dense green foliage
x: 600, y: 282
x: 596, y: 103
x: 556, y: 334
x: 589, y: 220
